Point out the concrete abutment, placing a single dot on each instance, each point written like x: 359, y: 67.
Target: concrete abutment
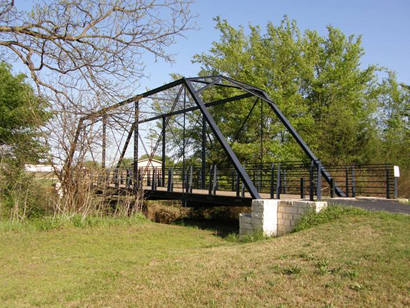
x: 276, y: 217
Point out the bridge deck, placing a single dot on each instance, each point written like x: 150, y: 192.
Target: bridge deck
x: 202, y: 198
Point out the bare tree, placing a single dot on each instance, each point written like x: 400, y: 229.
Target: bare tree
x: 83, y: 45
x: 85, y: 54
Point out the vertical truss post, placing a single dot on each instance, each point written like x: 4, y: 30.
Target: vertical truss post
x: 260, y: 180
x: 261, y: 133
x: 157, y: 178
x: 153, y: 184
x: 121, y: 176
x: 104, y: 139
x: 302, y: 188
x: 278, y: 183
x: 218, y: 134
x: 170, y: 185
x: 353, y: 183
x: 135, y: 169
x: 203, y: 153
x: 163, y: 152
x: 347, y: 181
x: 199, y: 178
x: 237, y: 183
x: 140, y: 178
x: 210, y: 180
x: 148, y: 177
x: 272, y: 181
x: 319, y: 181
x: 190, y: 180
x: 387, y: 183
x: 185, y: 181
x: 332, y: 188
x: 183, y: 144
x: 215, y: 181
x: 128, y: 179
x: 395, y: 191
x: 311, y: 191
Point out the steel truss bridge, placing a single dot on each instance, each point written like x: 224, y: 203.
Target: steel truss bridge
x: 201, y: 183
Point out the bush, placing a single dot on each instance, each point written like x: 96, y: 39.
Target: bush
x: 22, y: 196
x: 329, y: 214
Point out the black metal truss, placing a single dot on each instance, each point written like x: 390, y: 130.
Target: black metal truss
x: 195, y: 86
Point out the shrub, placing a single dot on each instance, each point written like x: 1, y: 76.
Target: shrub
x: 329, y: 214
x: 22, y: 196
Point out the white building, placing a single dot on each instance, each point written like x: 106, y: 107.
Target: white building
x: 142, y: 163
x: 41, y: 168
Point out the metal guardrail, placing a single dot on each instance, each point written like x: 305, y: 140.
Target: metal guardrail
x: 295, y: 178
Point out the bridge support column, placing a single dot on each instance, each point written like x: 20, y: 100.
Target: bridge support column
x: 275, y: 217
x: 203, y: 153
x: 135, y: 170
x: 163, y: 152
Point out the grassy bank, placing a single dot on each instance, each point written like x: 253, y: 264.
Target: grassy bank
x: 348, y: 259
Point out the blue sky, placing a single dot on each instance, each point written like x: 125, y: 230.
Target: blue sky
x: 384, y: 26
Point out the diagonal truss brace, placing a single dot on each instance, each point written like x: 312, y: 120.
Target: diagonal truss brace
x: 217, y: 132
x: 263, y: 96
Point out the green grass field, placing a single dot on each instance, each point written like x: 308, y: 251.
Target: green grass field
x: 350, y: 258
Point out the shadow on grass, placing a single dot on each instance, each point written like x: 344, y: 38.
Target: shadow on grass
x: 221, y: 221
x: 219, y: 227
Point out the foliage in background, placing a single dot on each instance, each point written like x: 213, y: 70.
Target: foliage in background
x: 394, y: 125
x: 345, y: 112
x: 22, y: 113
x: 315, y: 80
x: 22, y: 196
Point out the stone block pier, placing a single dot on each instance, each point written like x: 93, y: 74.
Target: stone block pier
x: 276, y: 217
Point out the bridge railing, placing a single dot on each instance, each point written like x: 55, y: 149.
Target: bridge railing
x: 272, y: 180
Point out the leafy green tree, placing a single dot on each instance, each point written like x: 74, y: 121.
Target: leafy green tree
x: 315, y: 80
x: 21, y: 115
x: 394, y: 126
